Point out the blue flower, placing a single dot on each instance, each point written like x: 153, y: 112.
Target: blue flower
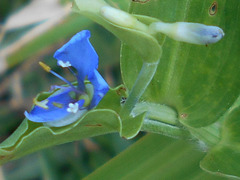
x: 66, y: 104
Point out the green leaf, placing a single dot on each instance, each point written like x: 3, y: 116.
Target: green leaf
x: 224, y: 158
x: 31, y: 137
x: 131, y: 127
x: 153, y: 157
x: 200, y: 82
x: 96, y: 122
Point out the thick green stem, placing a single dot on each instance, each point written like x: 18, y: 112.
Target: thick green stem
x: 157, y: 112
x: 144, y: 78
x: 210, y: 135
x: 158, y: 127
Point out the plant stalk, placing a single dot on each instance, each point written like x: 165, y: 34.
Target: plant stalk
x: 144, y: 78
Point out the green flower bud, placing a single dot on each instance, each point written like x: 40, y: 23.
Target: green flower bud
x: 193, y: 33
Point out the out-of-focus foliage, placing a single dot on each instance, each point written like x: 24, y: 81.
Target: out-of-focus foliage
x: 7, y: 6
x: 68, y: 161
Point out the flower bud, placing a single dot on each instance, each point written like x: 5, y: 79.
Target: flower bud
x: 122, y: 18
x: 193, y: 33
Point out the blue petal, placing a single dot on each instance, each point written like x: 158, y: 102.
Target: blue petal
x: 71, y: 118
x: 100, y: 88
x: 80, y: 53
x: 53, y: 113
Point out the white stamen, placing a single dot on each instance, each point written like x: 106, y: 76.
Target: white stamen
x: 64, y: 64
x: 72, y: 107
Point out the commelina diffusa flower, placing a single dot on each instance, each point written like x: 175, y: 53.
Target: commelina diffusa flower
x: 67, y: 104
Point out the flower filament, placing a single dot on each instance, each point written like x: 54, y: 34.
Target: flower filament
x: 76, y: 94
x: 48, y: 69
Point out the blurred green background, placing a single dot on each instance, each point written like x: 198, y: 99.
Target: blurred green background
x: 31, y: 31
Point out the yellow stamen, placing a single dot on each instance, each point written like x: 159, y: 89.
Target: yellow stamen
x: 45, y: 67
x: 57, y: 105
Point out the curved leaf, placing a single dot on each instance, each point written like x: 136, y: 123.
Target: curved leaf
x: 30, y: 136
x: 96, y: 122
x: 224, y: 158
